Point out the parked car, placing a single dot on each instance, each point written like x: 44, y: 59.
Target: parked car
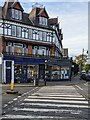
x: 88, y: 76
x: 83, y: 75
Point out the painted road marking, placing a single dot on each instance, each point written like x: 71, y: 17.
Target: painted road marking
x: 86, y: 84
x: 54, y: 105
x: 10, y: 102
x: 59, y: 101
x: 51, y: 97
x: 14, y: 99
x: 79, y: 87
x: 45, y: 110
x: 55, y: 95
x: 35, y: 117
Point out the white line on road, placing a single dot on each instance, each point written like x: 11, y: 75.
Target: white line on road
x: 45, y: 110
x: 29, y: 91
x: 51, y: 97
x: 14, y: 99
x: 60, y: 101
x: 54, y: 105
x: 86, y: 84
x: 34, y: 117
x: 5, y: 105
x: 55, y: 95
x: 10, y: 102
x: 79, y: 87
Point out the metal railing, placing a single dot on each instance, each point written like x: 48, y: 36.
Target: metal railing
x: 29, y: 55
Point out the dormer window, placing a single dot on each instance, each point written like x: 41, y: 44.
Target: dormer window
x: 43, y: 21
x: 16, y: 14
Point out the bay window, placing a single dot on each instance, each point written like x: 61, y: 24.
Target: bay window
x: 13, y: 30
x: 9, y: 30
x: 40, y: 35
x: 18, y: 31
x: 30, y: 33
x: 43, y: 21
x: 44, y: 36
x: 16, y: 14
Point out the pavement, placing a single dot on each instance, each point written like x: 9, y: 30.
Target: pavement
x: 74, y: 80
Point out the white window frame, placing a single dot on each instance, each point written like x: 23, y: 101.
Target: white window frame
x: 16, y: 14
x: 13, y: 30
x: 18, y: 31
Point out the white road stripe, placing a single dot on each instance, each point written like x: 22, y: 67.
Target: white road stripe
x: 36, y: 117
x: 5, y: 105
x: 10, y: 102
x: 79, y: 87
x: 86, y: 84
x: 60, y: 101
x: 15, y: 99
x: 51, y: 97
x: 45, y: 110
x: 55, y: 105
x: 59, y: 94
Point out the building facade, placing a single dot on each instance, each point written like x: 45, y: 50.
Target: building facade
x: 31, y: 44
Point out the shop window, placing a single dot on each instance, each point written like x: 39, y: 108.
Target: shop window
x: 18, y: 73
x: 55, y: 72
x: 32, y: 72
x: 64, y: 73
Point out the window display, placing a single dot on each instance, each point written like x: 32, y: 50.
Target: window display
x: 55, y: 72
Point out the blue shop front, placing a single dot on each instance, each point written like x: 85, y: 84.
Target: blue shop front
x: 25, y: 70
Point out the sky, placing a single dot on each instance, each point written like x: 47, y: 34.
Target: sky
x: 73, y: 18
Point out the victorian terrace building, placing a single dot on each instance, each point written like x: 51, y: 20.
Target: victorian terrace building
x: 31, y: 44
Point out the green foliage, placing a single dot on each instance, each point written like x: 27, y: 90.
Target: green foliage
x: 80, y: 59
x: 87, y: 67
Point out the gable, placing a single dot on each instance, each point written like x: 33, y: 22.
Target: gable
x: 43, y: 13
x: 17, y: 5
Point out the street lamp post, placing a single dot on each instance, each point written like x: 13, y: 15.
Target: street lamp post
x: 45, y: 71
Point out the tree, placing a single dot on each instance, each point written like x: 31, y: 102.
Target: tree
x: 87, y: 67
x: 81, y: 60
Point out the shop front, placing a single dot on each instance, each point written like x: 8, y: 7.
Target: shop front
x: 26, y: 70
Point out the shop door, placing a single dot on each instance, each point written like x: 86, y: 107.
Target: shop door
x: 42, y: 72
x: 24, y: 73
x: 8, y: 71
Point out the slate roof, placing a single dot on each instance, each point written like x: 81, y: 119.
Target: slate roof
x: 0, y: 12
x: 53, y: 21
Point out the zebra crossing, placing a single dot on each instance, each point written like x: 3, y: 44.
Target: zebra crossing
x: 51, y: 105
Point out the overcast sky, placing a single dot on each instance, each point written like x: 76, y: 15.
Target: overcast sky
x: 73, y: 17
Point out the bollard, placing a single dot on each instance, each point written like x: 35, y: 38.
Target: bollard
x: 34, y: 82
x: 12, y: 85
